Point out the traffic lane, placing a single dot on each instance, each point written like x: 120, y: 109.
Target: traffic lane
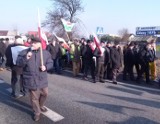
x: 80, y: 101
x: 16, y: 111
x: 126, y: 100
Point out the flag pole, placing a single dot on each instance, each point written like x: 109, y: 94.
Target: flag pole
x: 65, y: 30
x: 67, y: 35
x: 39, y: 33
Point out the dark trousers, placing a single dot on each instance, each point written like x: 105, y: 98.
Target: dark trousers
x: 56, y: 65
x: 115, y: 73
x: 137, y: 66
x: 144, y: 69
x: 128, y: 69
x: 91, y: 67
x: 101, y: 69
x: 16, y: 83
x: 38, y: 98
x: 108, y: 73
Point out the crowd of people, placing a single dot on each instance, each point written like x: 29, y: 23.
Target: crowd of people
x: 104, y: 61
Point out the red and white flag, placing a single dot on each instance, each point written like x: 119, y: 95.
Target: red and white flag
x: 97, y: 42
x: 41, y: 34
x: 65, y: 45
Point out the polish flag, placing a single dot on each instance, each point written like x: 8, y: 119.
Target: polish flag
x: 97, y: 42
x: 64, y: 44
x: 41, y: 34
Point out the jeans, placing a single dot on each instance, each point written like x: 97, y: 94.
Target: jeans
x: 56, y: 65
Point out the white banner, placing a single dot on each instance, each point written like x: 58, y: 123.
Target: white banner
x: 15, y: 51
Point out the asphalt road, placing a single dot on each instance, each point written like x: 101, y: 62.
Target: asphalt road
x: 82, y: 102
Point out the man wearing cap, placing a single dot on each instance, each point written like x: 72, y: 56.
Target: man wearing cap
x: 35, y: 75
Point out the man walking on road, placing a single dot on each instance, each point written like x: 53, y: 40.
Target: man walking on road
x: 35, y: 75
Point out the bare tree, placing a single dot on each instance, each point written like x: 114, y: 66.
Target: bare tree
x: 67, y: 9
x: 124, y: 33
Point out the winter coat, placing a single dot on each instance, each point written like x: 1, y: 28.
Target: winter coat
x: 87, y: 54
x: 55, y: 51
x: 116, y: 57
x: 33, y: 77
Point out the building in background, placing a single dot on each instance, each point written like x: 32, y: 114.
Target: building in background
x: 8, y: 34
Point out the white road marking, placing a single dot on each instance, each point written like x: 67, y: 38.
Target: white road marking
x: 52, y: 115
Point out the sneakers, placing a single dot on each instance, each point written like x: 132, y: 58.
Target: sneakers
x: 36, y: 118
x: 43, y: 109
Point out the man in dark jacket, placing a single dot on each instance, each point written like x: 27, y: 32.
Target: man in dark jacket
x: 116, y: 58
x: 146, y: 55
x: 108, y: 62
x: 82, y: 47
x: 129, y: 60
x: 35, y: 75
x: 89, y: 62
x: 16, y: 72
x: 55, y: 51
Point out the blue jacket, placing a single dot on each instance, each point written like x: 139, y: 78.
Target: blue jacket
x: 33, y: 77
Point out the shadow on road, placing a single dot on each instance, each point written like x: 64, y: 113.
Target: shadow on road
x: 149, y: 103
x: 135, y: 120
x: 126, y: 90
x: 110, y: 107
x: 6, y: 99
x: 142, y: 89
